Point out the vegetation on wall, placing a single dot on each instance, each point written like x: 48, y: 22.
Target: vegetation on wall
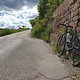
x: 41, y: 28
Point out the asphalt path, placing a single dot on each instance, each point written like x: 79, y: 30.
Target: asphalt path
x: 26, y: 58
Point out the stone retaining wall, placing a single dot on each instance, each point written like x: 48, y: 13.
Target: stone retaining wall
x: 68, y: 13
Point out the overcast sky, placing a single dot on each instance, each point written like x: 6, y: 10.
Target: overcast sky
x: 17, y: 12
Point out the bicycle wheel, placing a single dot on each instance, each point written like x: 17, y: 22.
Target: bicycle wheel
x: 75, y: 54
x: 75, y: 57
x: 61, y: 45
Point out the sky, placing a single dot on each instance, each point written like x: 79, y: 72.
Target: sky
x: 16, y: 13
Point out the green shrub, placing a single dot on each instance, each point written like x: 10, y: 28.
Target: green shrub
x: 46, y: 35
x: 37, y: 30
x: 4, y: 32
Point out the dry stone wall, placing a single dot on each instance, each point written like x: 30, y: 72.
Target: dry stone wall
x: 68, y: 13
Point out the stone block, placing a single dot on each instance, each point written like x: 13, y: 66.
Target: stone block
x: 76, y: 5
x: 73, y: 24
x: 75, y: 18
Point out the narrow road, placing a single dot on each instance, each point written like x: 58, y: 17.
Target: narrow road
x: 25, y: 58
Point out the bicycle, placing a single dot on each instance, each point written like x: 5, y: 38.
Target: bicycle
x: 69, y: 43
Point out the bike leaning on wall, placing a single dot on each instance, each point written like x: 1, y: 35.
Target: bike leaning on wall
x: 69, y: 43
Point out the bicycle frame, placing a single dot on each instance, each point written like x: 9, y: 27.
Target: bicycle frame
x: 67, y: 41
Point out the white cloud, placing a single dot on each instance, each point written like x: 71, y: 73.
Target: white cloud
x: 17, y: 18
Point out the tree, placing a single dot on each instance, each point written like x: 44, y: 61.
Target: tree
x: 42, y: 6
x: 57, y: 2
x: 23, y: 27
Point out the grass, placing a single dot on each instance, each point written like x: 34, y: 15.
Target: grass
x: 53, y: 45
x: 4, y: 32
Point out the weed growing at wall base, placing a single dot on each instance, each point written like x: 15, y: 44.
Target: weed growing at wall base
x: 46, y: 34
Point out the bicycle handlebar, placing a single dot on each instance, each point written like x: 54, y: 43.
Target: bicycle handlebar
x: 78, y: 22
x: 65, y: 25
